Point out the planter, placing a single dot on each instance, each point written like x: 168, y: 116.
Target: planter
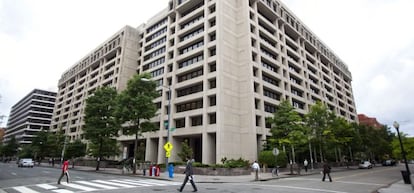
x: 216, y: 171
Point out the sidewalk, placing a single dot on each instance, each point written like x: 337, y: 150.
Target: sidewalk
x: 397, y: 187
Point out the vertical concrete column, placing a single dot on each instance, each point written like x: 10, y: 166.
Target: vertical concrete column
x: 208, y: 148
x: 161, y: 151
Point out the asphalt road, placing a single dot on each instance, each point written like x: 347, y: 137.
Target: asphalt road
x: 43, y: 179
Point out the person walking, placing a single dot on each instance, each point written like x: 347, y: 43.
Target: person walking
x: 256, y: 169
x: 65, y: 171
x: 188, y: 175
x: 326, y: 171
x: 305, y: 165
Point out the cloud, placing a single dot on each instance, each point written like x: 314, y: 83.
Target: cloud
x: 11, y: 13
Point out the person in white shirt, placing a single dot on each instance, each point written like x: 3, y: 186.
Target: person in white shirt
x: 256, y: 169
x: 305, y: 164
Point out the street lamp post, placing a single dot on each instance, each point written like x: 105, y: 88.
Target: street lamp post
x: 169, y: 122
x: 397, y: 126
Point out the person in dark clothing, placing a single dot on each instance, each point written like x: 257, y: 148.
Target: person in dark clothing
x: 326, y: 171
x: 188, y: 176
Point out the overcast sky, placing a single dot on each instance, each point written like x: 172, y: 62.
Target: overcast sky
x: 41, y: 39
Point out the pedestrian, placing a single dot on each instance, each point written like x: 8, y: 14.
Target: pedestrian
x: 65, y: 171
x: 305, y: 165
x: 256, y: 169
x: 326, y: 171
x: 53, y: 162
x: 188, y: 175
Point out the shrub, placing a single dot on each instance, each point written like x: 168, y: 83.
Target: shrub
x: 239, y: 163
x: 267, y: 158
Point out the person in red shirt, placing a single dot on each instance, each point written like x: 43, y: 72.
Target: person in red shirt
x: 65, y: 171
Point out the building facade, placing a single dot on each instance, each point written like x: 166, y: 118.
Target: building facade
x: 369, y: 121
x: 227, y: 64
x: 110, y: 64
x: 30, y: 115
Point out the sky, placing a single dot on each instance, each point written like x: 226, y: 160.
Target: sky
x: 41, y: 39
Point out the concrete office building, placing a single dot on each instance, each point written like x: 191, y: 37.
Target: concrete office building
x: 30, y: 115
x: 228, y: 64
x: 110, y: 64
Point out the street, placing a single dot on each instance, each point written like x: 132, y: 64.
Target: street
x: 43, y: 179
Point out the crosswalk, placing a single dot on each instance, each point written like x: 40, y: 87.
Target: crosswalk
x: 90, y: 186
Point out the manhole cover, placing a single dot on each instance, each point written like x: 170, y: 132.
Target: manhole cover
x: 158, y: 190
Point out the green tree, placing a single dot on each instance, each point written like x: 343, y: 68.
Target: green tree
x: 10, y: 149
x: 267, y: 159
x: 75, y: 149
x: 101, y: 126
x: 136, y: 107
x: 317, y: 120
x: 286, y: 127
x: 39, y: 144
x: 186, y: 151
x: 55, y: 143
x: 408, y: 143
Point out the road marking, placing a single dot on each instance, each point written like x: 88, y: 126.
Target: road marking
x: 361, y: 183
x: 294, y: 187
x: 63, y: 191
x: 164, y: 182
x: 132, y: 183
x: 47, y: 186
x: 339, y: 181
x: 14, y: 174
x: 96, y: 185
x: 114, y: 184
x: 23, y: 189
x: 146, y: 182
x: 79, y: 187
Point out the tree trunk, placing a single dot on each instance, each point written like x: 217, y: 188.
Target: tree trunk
x: 320, y: 152
x: 99, y: 155
x: 134, y: 166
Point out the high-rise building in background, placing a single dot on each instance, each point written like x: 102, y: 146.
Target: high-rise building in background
x: 30, y: 115
x: 227, y: 63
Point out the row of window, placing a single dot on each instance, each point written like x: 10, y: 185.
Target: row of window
x: 191, y: 61
x: 155, y: 53
x: 156, y: 34
x: 154, y: 63
x: 190, y: 90
x: 192, y: 47
x: 190, y: 75
x: 157, y: 25
x: 156, y: 43
x: 185, y: 25
x: 195, y: 120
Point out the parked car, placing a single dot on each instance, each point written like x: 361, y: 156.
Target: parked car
x: 26, y: 162
x: 389, y: 162
x: 365, y: 165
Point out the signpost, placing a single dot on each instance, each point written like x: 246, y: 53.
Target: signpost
x: 168, y: 147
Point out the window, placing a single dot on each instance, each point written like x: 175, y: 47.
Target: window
x: 190, y: 90
x: 198, y: 104
x: 212, y: 83
x: 196, y: 121
x: 190, y: 75
x: 192, y: 34
x: 191, y: 61
x: 192, y: 47
x: 180, y: 123
x: 212, y: 118
x: 212, y: 67
x: 212, y: 100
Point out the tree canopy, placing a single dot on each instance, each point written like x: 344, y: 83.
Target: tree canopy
x: 101, y: 126
x: 136, y: 107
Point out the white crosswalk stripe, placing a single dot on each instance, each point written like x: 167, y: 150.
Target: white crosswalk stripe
x: 93, y: 185
x: 24, y: 189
